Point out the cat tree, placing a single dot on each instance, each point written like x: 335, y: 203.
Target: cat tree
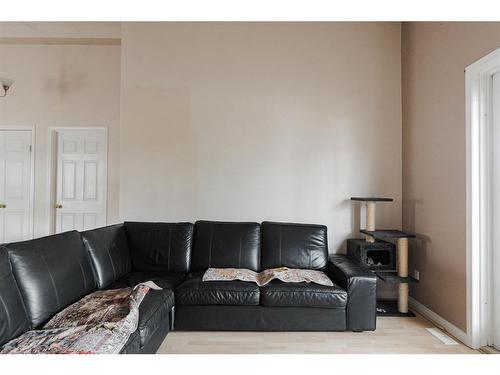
x: 372, y: 234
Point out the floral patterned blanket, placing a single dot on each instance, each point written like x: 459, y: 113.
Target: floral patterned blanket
x: 287, y: 275
x: 100, y: 323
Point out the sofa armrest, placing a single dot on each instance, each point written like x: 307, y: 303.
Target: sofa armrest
x: 361, y: 286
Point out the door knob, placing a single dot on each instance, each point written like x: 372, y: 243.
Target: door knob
x: 58, y: 205
x: 2, y: 205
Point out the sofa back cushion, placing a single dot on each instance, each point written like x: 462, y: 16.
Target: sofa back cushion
x: 109, y: 253
x: 223, y: 244
x: 13, y: 318
x: 290, y: 245
x: 52, y: 273
x: 164, y: 247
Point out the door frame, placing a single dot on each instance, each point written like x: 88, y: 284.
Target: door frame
x: 52, y: 171
x: 32, y: 129
x: 479, y: 198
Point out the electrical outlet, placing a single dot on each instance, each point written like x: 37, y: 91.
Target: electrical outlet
x: 416, y: 275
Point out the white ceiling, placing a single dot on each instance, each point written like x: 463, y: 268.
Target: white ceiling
x: 60, y: 30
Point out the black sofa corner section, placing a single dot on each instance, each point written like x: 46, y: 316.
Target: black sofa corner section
x: 361, y: 286
x: 41, y: 277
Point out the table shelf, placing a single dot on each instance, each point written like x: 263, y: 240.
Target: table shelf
x: 371, y: 199
x: 393, y: 278
x: 388, y: 233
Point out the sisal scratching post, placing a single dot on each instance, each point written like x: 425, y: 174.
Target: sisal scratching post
x: 370, y: 219
x: 402, y: 257
x: 403, y: 298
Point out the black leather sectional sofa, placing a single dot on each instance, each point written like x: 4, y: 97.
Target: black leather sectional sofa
x: 39, y: 278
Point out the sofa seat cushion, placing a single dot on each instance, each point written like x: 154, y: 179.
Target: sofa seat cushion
x: 165, y: 280
x: 133, y: 344
x: 155, y: 308
x: 280, y: 294
x: 194, y: 291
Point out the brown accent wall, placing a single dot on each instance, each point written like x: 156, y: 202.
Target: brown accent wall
x: 434, y: 56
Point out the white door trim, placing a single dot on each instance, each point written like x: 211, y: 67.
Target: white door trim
x: 30, y: 128
x: 52, y: 168
x: 479, y: 161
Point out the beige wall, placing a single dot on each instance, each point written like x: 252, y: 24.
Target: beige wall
x: 434, y: 58
x: 254, y: 121
x: 63, y: 86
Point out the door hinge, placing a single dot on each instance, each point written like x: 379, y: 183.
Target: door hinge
x: 31, y: 148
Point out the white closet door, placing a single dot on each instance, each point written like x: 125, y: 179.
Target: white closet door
x: 15, y: 185
x: 495, y: 337
x: 81, y: 179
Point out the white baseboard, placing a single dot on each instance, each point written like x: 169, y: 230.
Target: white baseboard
x: 439, y: 321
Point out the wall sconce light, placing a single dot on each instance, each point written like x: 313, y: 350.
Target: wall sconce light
x: 6, y: 83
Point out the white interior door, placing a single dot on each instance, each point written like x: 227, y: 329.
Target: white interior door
x: 15, y: 185
x: 81, y: 179
x: 495, y: 337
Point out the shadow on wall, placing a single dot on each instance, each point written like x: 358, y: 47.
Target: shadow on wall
x: 355, y: 208
x: 355, y: 218
x: 418, y: 246
x: 66, y: 81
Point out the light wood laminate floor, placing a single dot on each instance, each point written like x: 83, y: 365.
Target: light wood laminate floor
x: 393, y: 335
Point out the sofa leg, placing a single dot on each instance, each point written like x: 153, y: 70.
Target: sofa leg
x: 172, y: 318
